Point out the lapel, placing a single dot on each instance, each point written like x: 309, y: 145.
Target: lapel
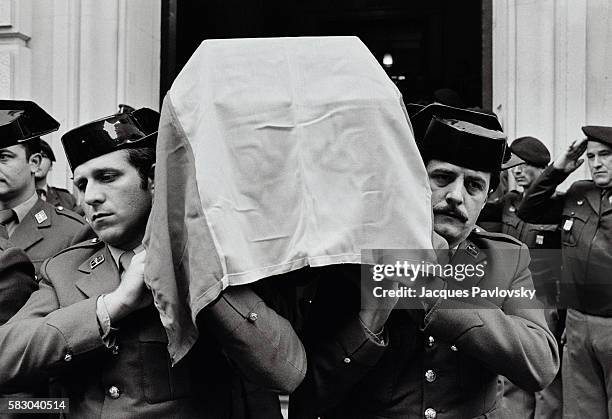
x: 606, y: 202
x: 28, y: 232
x: 469, y: 254
x: 593, y: 197
x: 99, y: 274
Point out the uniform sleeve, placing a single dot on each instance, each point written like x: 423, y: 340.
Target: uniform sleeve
x: 340, y: 353
x: 16, y: 281
x: 42, y: 337
x: 260, y: 342
x: 539, y: 206
x: 513, y: 341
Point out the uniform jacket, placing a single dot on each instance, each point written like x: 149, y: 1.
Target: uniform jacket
x: 59, y: 197
x: 543, y: 240
x: 584, y: 213
x: 441, y: 364
x: 244, y: 346
x: 45, y: 231
x: 16, y: 280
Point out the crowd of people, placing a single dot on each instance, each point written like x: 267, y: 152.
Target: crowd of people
x: 78, y: 322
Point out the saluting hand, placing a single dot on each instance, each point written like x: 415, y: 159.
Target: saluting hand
x: 570, y: 160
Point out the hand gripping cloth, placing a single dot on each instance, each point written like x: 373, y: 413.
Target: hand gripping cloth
x: 274, y: 154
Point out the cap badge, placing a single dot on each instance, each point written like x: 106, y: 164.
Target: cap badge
x: 40, y: 216
x: 96, y: 261
x: 580, y: 202
x: 110, y: 130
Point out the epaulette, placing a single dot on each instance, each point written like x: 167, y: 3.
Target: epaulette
x: 479, y: 231
x: 92, y: 243
x: 88, y: 244
x: 69, y: 213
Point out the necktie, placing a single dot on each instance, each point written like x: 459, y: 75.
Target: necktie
x: 124, y: 261
x: 6, y: 216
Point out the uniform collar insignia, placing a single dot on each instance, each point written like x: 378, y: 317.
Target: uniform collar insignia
x: 41, y: 216
x: 472, y: 250
x: 96, y: 261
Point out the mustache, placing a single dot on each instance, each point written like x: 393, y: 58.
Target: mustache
x: 452, y: 212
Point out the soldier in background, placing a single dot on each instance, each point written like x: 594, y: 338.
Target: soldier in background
x: 584, y: 213
x: 530, y: 157
x: 35, y: 226
x: 57, y: 197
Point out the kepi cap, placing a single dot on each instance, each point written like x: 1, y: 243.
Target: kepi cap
x: 22, y: 120
x: 470, y: 139
x: 115, y: 132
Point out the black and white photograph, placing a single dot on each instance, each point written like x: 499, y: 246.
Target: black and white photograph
x: 276, y: 209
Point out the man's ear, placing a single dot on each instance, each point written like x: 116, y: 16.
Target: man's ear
x: 34, y: 161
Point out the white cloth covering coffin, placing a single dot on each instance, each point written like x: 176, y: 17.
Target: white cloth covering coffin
x: 274, y: 154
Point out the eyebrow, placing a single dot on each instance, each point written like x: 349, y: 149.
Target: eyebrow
x: 443, y: 171
x: 98, y: 172
x: 476, y: 178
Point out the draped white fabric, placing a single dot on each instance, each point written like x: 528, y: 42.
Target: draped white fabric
x: 302, y: 154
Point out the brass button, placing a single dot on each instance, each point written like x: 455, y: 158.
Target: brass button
x: 60, y: 208
x: 430, y: 341
x: 347, y: 360
x: 430, y: 376
x: 68, y: 357
x: 114, y: 392
x: 252, y: 317
x: 430, y: 413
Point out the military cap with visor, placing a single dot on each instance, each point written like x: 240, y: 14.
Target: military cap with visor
x: 137, y: 129
x: 46, y: 150
x: 23, y: 120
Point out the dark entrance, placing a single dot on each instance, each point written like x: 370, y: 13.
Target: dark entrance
x: 429, y: 44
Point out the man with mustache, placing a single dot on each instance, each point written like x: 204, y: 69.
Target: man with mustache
x: 35, y: 226
x: 93, y: 328
x: 442, y: 360
x: 584, y: 213
x: 530, y: 157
